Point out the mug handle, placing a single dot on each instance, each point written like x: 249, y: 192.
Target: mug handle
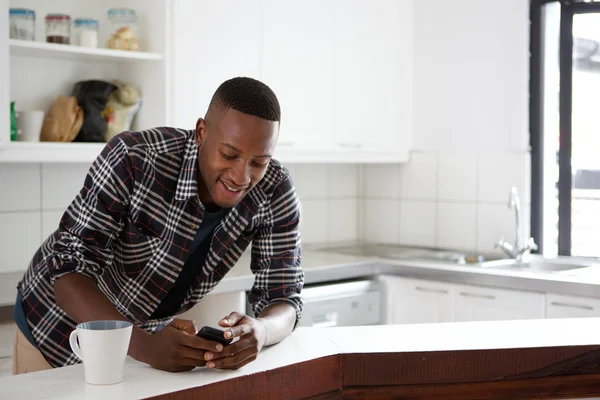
x: 74, y: 345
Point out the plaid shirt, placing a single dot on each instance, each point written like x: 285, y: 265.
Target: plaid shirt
x: 130, y: 229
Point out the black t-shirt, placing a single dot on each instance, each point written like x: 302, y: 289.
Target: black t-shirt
x: 192, y: 267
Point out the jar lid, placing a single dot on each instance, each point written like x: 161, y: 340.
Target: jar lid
x: 121, y: 12
x: 21, y: 12
x: 58, y: 17
x: 86, y: 22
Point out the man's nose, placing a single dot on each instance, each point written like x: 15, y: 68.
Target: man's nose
x: 241, y: 175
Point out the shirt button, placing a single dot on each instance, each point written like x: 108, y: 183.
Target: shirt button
x: 174, y: 267
x: 194, y: 226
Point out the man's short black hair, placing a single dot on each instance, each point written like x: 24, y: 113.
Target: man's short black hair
x: 249, y: 96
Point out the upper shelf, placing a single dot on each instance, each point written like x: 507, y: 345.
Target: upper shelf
x: 80, y: 152
x: 43, y: 49
x: 49, y: 152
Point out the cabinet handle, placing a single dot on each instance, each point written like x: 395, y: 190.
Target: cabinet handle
x: 479, y: 296
x: 351, y: 145
x: 559, y: 304
x: 423, y: 289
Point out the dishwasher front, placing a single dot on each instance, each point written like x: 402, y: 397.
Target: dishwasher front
x: 346, y: 303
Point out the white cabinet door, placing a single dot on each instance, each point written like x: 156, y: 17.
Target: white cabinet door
x: 411, y: 301
x: 563, y: 306
x: 477, y: 303
x: 373, y: 58
x: 297, y: 63
x: 212, y: 41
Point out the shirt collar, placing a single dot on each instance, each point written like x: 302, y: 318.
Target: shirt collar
x: 187, y: 183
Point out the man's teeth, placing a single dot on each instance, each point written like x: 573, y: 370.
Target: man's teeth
x: 230, y: 188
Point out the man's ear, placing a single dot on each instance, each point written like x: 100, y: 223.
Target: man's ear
x: 201, y: 131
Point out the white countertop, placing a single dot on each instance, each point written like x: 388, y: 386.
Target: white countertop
x: 327, y: 265
x: 307, y: 344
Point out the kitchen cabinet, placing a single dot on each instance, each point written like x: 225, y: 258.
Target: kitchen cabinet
x: 564, y: 306
x: 212, y: 42
x: 373, y: 46
x: 412, y: 301
x: 38, y: 72
x: 297, y: 63
x: 478, y: 303
x: 342, y: 71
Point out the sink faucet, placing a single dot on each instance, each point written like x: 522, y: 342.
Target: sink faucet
x: 519, y: 249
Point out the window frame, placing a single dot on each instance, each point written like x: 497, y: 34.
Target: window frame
x: 536, y: 117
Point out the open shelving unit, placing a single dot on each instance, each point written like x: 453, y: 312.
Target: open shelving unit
x: 39, y: 71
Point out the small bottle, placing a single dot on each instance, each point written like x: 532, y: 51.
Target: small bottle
x: 123, y: 27
x: 14, y: 129
x: 22, y: 23
x: 85, y: 32
x: 58, y: 28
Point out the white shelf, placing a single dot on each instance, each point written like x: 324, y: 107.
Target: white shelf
x: 43, y: 49
x: 50, y: 152
x: 53, y: 152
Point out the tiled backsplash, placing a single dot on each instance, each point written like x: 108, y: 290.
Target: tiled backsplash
x: 36, y: 195
x: 445, y: 200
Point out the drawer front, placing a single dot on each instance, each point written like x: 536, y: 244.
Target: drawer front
x: 563, y: 306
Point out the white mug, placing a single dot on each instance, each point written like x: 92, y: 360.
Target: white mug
x: 102, y: 346
x: 30, y: 124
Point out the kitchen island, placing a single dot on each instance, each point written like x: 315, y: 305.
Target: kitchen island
x: 467, y: 360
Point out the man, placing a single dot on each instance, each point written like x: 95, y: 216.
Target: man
x: 161, y: 218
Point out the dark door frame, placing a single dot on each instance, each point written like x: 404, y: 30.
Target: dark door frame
x: 536, y: 117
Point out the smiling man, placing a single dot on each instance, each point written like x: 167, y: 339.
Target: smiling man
x: 162, y: 216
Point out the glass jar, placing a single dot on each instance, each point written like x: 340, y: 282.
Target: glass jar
x: 85, y: 32
x: 22, y: 23
x: 123, y: 28
x: 58, y: 28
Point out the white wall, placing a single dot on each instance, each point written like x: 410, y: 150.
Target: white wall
x: 471, y: 131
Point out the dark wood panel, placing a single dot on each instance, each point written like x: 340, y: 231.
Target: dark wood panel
x: 298, y: 381
x: 580, y: 387
x: 468, y: 365
x: 335, y: 395
x: 533, y: 373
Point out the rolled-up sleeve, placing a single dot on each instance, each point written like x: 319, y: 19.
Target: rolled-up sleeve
x: 276, y: 253
x: 93, y: 220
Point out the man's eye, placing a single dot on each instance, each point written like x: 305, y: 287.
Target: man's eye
x: 259, y: 164
x: 227, y: 157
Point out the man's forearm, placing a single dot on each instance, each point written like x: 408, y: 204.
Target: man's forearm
x: 82, y: 300
x: 279, y: 320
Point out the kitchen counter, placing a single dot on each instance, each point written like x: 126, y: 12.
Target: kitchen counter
x: 322, y: 264
x: 335, y: 264
x: 425, y: 354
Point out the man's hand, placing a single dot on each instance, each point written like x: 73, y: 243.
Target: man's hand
x: 252, y: 337
x: 176, y: 348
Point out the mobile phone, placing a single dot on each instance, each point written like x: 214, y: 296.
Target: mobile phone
x: 210, y: 333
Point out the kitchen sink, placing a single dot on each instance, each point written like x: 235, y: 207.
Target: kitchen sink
x: 538, y: 264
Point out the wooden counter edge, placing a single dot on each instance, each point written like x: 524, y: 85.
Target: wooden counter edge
x: 524, y: 373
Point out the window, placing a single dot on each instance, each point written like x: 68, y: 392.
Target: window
x: 565, y: 126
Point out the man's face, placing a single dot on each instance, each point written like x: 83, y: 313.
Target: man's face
x: 234, y: 152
